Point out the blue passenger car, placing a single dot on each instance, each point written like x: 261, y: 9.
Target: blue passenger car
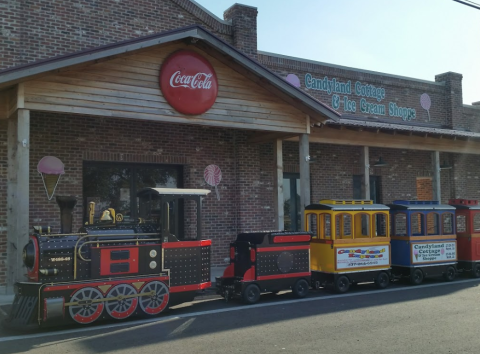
x: 423, y: 239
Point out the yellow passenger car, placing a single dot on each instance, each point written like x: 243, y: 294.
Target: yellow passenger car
x: 350, y: 244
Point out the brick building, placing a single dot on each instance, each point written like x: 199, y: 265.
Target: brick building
x: 79, y: 81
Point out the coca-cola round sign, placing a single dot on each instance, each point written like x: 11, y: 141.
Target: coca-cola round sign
x: 188, y: 82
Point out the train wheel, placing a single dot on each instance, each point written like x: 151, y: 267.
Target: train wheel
x: 382, y: 280
x: 158, y: 301
x: 449, y: 274
x: 122, y: 305
x: 476, y: 270
x: 300, y: 289
x: 251, y: 294
x: 342, y: 284
x: 86, y: 311
x: 416, y: 278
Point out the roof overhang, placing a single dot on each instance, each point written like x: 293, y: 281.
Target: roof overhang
x: 195, y: 35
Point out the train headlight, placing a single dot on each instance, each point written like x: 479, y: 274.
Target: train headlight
x: 29, y: 255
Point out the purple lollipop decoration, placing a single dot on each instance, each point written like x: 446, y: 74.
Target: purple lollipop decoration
x: 293, y: 79
x: 426, y: 103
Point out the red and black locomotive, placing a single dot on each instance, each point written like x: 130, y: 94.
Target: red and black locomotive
x: 110, y: 268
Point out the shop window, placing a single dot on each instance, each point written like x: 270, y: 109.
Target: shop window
x: 417, y: 222
x: 400, y: 225
x: 447, y: 222
x: 312, y: 225
x: 115, y: 185
x: 343, y: 226
x: 380, y: 225
x: 362, y: 225
x: 461, y: 223
x: 476, y: 222
x: 433, y: 224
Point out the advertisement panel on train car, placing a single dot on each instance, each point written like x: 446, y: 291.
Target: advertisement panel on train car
x: 361, y: 257
x: 426, y: 252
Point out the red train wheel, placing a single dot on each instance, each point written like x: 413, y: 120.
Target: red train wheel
x: 156, y: 303
x: 86, y: 311
x: 121, y: 306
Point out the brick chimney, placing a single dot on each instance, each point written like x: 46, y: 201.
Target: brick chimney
x: 244, y: 24
x: 453, y: 99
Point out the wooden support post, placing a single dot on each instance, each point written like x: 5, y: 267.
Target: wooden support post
x: 279, y: 198
x: 304, y: 176
x: 436, y: 176
x: 18, y: 187
x: 365, y: 168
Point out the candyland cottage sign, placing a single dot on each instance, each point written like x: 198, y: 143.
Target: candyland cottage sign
x: 429, y: 252
x: 367, y: 99
x: 188, y: 82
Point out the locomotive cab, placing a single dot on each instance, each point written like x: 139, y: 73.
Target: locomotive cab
x: 115, y: 269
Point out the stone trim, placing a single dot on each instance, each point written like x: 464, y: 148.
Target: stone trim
x: 137, y: 158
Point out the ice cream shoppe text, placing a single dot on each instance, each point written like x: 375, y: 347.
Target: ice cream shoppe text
x: 367, y: 93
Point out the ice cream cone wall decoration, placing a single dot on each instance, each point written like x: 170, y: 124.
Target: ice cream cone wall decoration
x: 50, y: 169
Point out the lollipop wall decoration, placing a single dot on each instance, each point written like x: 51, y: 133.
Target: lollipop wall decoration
x: 425, y: 102
x: 50, y: 168
x: 213, y: 176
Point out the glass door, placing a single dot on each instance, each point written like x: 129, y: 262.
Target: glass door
x: 291, y: 201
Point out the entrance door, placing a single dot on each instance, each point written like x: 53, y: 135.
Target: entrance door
x: 291, y: 201
x: 374, y: 188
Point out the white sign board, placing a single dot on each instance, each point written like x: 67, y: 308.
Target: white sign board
x: 361, y: 257
x: 434, y: 252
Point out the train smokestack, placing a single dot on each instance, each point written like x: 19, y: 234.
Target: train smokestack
x: 66, y: 204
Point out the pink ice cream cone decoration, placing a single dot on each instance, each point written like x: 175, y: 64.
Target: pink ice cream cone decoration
x: 415, y: 253
x: 50, y: 168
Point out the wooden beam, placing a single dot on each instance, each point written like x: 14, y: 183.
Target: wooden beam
x: 261, y: 138
x: 437, y: 195
x: 304, y: 176
x: 18, y: 189
x: 327, y: 135
x: 279, y: 199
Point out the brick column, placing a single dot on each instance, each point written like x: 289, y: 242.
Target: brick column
x: 244, y: 24
x: 453, y: 99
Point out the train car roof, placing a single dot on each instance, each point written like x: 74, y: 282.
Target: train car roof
x: 419, y: 205
x: 469, y: 207
x: 347, y: 207
x: 173, y: 192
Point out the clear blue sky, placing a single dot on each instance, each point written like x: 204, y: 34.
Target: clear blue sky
x: 413, y: 38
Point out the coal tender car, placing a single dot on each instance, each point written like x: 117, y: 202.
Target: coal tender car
x: 111, y: 269
x: 268, y: 261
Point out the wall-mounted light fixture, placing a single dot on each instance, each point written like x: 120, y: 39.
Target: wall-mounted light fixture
x: 380, y: 163
x: 445, y: 166
x: 309, y: 159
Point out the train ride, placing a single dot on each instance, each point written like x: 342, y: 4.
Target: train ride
x: 113, y: 269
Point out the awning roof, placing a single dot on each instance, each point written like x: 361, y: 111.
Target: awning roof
x: 318, y: 111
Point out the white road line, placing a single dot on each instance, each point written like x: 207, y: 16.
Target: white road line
x: 231, y: 309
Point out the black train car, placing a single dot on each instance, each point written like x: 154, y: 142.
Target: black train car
x: 267, y: 261
x: 110, y: 268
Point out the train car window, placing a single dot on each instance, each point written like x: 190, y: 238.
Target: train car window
x: 476, y: 222
x: 447, y: 223
x: 400, y: 225
x: 326, y: 220
x: 312, y: 225
x: 461, y: 223
x: 343, y: 226
x: 417, y: 224
x: 433, y: 224
x: 362, y: 225
x: 380, y: 225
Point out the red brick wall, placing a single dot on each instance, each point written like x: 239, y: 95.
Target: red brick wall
x: 40, y: 29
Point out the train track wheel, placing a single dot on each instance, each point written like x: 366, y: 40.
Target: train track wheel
x: 157, y: 301
x: 123, y: 301
x: 86, y: 310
